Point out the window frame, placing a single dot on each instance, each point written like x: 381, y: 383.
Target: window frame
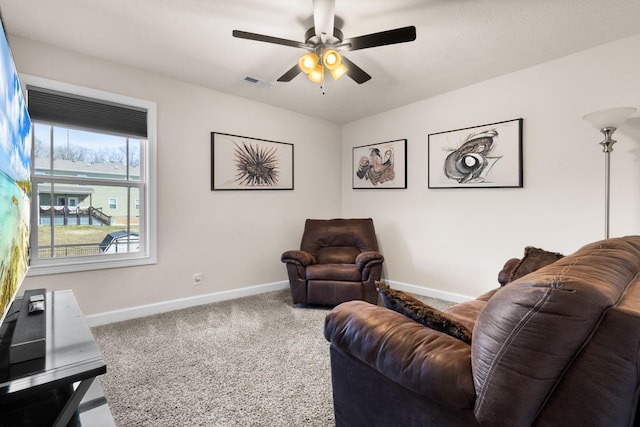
x: 148, y: 194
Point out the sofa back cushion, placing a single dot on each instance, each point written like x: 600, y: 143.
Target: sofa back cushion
x: 337, y: 255
x: 338, y: 241
x: 598, y: 376
x: 530, y: 332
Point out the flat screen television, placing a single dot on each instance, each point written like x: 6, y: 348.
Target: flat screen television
x: 15, y: 183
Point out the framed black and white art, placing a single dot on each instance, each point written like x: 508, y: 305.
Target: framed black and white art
x: 244, y: 163
x: 486, y: 156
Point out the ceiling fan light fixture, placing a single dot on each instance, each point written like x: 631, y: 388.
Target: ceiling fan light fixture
x: 325, y: 40
x: 338, y: 72
x: 308, y: 62
x: 317, y: 74
x: 331, y: 59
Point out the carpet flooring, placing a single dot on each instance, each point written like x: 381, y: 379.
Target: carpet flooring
x: 254, y: 361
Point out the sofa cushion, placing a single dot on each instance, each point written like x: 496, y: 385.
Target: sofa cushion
x: 532, y: 331
x: 466, y: 313
x: 336, y: 272
x: 533, y: 259
x: 415, y: 309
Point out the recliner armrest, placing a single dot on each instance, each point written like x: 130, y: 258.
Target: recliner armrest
x: 368, y: 257
x: 298, y: 257
x: 426, y: 361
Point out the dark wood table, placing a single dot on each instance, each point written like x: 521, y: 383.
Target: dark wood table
x: 49, y: 390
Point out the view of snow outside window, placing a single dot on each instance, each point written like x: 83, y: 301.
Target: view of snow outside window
x: 88, y: 191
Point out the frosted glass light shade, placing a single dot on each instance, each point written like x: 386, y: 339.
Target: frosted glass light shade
x: 317, y: 74
x: 331, y: 59
x: 338, y: 72
x: 308, y: 62
x: 609, y: 118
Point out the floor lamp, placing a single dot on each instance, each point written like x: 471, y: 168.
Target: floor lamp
x: 606, y: 121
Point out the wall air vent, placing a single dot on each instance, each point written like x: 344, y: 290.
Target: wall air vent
x: 262, y: 83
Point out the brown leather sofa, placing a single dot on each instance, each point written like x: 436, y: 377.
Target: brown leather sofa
x: 558, y: 347
x: 338, y: 261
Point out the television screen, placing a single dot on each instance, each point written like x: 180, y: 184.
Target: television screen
x: 15, y: 183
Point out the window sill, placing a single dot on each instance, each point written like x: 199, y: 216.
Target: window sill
x: 68, y: 266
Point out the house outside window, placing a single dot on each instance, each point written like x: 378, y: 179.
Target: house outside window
x: 93, y: 178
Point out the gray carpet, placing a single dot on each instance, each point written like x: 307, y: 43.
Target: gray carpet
x: 255, y: 361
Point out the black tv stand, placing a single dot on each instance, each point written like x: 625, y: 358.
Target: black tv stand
x: 49, y: 390
x: 28, y: 337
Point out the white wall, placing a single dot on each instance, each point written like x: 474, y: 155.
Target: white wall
x: 233, y: 238
x: 456, y: 240
x: 450, y: 241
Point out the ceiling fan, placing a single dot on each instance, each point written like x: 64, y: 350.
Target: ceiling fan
x: 324, y: 40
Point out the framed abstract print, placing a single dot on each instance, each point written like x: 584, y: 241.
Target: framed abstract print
x: 487, y: 156
x: 382, y: 165
x: 245, y: 163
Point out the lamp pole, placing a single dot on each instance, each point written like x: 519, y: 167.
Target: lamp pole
x: 606, y: 121
x: 607, y: 148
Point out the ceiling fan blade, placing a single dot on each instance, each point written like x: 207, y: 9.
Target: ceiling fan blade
x: 268, y: 39
x: 398, y: 35
x: 356, y: 73
x: 323, y: 17
x: 289, y: 75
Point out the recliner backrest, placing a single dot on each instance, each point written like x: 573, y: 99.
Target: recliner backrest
x: 533, y: 329
x: 338, y: 241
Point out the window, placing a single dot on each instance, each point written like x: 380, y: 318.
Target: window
x: 67, y: 201
x: 92, y: 178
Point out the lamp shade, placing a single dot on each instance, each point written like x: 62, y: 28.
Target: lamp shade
x: 609, y: 118
x: 317, y: 74
x: 338, y: 72
x: 308, y: 62
x: 331, y: 59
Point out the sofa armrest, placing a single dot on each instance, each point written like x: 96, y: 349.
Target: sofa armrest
x: 298, y: 257
x: 505, y: 274
x: 368, y: 258
x: 426, y: 361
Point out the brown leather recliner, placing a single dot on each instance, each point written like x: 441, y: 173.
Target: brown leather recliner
x: 557, y: 347
x: 338, y: 261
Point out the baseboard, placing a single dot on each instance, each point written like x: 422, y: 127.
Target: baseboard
x: 166, y: 306
x: 428, y: 292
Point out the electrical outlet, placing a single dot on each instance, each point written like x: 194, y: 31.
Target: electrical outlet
x: 197, y: 279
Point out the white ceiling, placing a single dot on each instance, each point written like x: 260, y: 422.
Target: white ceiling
x: 459, y: 42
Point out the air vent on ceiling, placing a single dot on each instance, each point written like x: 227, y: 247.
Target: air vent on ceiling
x: 258, y: 82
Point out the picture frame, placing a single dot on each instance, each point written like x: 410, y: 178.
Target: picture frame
x: 486, y: 156
x: 381, y: 165
x: 246, y: 163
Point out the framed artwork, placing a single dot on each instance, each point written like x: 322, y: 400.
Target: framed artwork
x: 487, y: 156
x: 382, y: 165
x: 244, y: 163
